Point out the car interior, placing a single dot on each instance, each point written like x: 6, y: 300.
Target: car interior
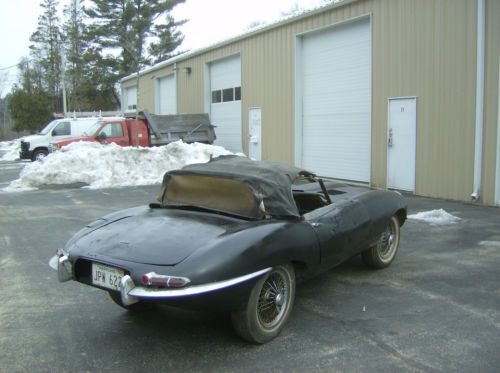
x: 307, y: 201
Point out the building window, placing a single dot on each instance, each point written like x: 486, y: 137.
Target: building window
x: 226, y: 95
x: 216, y: 97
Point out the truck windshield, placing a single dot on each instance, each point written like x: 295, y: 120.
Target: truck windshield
x: 92, y: 130
x: 48, y: 127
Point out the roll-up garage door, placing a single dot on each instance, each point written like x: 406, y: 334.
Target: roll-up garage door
x: 166, y: 100
x: 225, y: 107
x: 336, y: 101
x: 129, y: 99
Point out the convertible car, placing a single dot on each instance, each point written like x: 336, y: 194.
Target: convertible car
x: 233, y: 235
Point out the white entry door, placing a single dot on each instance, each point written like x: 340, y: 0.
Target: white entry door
x: 401, y: 143
x: 255, y: 133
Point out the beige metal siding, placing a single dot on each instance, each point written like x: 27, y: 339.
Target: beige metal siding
x: 427, y: 49
x: 424, y: 48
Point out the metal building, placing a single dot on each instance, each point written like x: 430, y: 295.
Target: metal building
x: 401, y: 94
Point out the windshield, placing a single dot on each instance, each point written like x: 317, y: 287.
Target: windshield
x: 93, y: 129
x: 48, y: 127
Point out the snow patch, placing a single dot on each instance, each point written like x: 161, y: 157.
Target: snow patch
x: 105, y: 166
x: 493, y: 244
x: 10, y: 150
x: 435, y: 217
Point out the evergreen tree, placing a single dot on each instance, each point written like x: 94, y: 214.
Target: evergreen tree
x: 30, y: 105
x: 169, y: 38
x: 29, y: 110
x: 125, y: 25
x: 87, y: 87
x: 45, y: 51
x: 75, y: 47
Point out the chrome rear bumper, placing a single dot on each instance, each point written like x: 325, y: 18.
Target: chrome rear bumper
x: 60, y: 262
x: 130, y: 293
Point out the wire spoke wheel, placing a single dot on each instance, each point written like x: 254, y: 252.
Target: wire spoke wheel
x: 385, y: 246
x: 384, y: 251
x: 269, y: 306
x: 273, y: 300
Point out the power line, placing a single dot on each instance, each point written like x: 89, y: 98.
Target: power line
x: 8, y: 67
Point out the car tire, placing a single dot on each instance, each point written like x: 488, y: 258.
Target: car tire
x: 259, y: 324
x: 39, y: 154
x: 139, y: 306
x: 384, y: 251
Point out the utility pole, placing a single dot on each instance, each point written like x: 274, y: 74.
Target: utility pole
x: 137, y: 106
x: 63, y: 70
x: 137, y: 60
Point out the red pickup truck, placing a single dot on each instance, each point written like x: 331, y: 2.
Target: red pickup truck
x: 154, y: 130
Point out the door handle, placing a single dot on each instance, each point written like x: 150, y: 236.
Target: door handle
x: 390, y: 141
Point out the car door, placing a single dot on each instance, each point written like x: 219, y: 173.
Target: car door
x: 342, y: 229
x: 61, y: 130
x: 113, y: 132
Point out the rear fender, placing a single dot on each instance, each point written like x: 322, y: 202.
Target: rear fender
x: 261, y: 246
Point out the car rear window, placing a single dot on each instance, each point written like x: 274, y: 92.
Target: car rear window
x: 225, y: 195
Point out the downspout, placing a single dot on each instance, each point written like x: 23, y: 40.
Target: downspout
x: 497, y: 178
x: 478, y: 146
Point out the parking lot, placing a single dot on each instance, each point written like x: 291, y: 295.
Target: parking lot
x: 436, y: 308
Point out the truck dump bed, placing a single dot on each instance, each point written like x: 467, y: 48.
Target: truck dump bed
x: 189, y: 128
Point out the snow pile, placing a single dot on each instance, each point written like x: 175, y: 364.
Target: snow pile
x: 435, y: 217
x: 10, y: 150
x: 104, y: 166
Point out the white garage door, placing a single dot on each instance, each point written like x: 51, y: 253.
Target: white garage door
x: 225, y: 107
x: 166, y: 102
x: 336, y: 101
x: 129, y: 99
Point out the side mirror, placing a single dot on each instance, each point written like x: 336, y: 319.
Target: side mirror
x: 54, y: 133
x: 101, y: 136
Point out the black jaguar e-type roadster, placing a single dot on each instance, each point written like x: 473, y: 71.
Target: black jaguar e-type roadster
x: 233, y: 234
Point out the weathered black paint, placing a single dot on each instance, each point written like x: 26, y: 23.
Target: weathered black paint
x: 207, y: 247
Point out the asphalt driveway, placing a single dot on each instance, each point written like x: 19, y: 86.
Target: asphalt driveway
x: 437, y: 308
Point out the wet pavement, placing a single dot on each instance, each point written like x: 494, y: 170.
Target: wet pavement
x: 436, y: 308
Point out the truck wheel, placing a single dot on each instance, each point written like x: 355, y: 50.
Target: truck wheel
x: 39, y: 154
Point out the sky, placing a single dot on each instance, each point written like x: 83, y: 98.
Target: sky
x: 210, y: 21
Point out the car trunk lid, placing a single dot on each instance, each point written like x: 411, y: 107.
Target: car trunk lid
x: 158, y: 236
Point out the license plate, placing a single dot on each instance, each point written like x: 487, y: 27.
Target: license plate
x: 107, y: 277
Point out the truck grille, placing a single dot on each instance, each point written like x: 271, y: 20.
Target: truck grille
x: 25, y: 146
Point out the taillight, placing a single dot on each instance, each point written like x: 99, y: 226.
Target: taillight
x: 154, y: 279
